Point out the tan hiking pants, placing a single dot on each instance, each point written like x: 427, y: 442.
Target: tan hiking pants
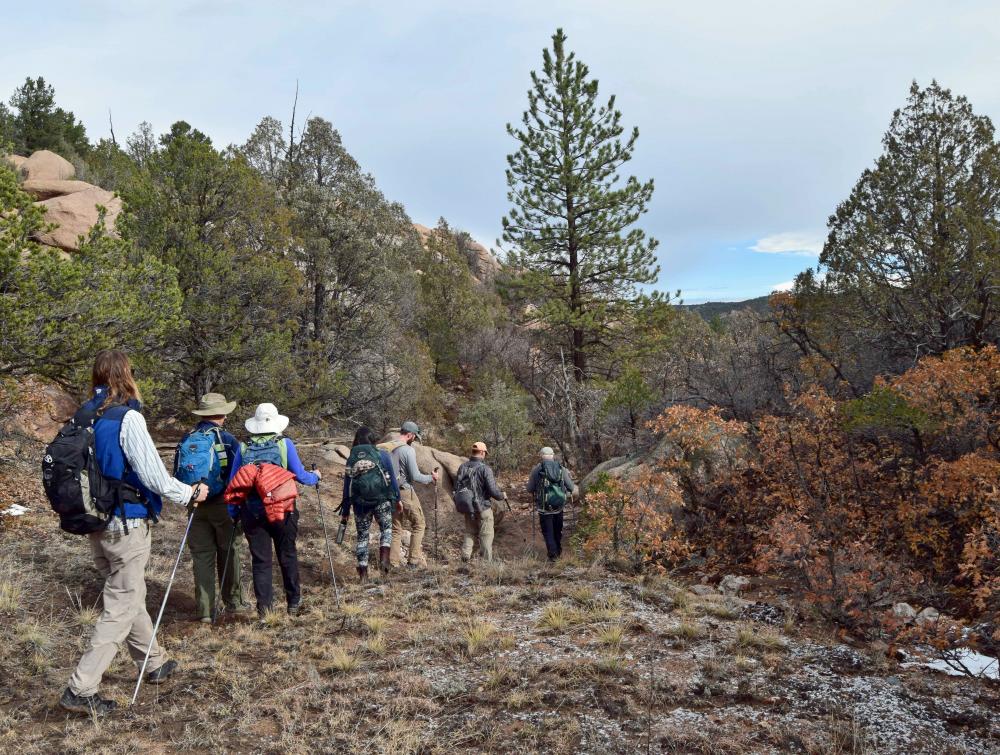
x: 481, y: 525
x: 411, y: 518
x: 121, y: 560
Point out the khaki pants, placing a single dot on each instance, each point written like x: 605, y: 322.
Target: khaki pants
x: 209, y: 539
x: 480, y: 524
x: 411, y: 518
x: 121, y: 560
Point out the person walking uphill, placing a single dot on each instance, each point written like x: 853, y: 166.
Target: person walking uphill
x: 276, y: 520
x: 210, y: 453
x: 410, y: 514
x: 551, y: 484
x: 475, y: 486
x: 371, y: 489
x: 124, y: 452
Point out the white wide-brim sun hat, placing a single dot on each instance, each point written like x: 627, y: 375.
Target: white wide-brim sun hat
x: 266, y: 419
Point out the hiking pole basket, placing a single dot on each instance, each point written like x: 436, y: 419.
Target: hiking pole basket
x: 163, y: 605
x: 326, y: 536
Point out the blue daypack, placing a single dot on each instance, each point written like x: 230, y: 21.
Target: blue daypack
x: 202, y: 456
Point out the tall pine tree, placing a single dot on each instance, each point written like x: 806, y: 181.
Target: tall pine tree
x: 577, y: 255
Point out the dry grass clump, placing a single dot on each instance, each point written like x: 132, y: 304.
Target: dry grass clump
x: 342, y: 661
x: 720, y: 608
x: 10, y: 596
x: 758, y: 638
x: 375, y: 646
x: 685, y: 631
x: 605, y: 608
x: 556, y: 617
x: 611, y: 636
x: 476, y: 635
x: 375, y: 625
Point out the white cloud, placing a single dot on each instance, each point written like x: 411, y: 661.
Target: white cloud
x: 807, y: 244
x: 786, y: 286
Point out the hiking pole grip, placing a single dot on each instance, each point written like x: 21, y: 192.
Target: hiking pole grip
x: 163, y: 605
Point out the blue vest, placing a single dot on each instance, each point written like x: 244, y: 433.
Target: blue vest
x: 111, y: 458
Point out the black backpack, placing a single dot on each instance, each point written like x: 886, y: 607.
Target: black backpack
x: 78, y: 492
x: 465, y: 494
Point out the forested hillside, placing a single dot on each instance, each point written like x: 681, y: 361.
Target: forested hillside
x: 838, y: 444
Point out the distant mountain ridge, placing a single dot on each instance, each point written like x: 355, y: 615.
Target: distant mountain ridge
x: 711, y: 309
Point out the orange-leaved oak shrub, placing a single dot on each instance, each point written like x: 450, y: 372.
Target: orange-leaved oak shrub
x: 855, y: 504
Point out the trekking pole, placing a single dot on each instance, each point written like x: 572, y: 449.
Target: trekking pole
x: 326, y: 535
x: 225, y: 571
x: 163, y: 605
x: 436, y: 556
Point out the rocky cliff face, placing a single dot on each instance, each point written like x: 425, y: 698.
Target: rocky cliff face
x: 482, y: 264
x: 71, y: 207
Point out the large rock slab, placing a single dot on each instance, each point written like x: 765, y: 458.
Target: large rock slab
x: 43, y: 188
x: 41, y: 408
x: 15, y: 162
x: 74, y: 216
x: 44, y: 165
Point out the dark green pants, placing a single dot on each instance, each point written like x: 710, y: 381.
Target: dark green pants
x: 211, y: 533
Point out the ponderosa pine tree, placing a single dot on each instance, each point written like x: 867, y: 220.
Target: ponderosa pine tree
x: 40, y: 124
x: 577, y: 255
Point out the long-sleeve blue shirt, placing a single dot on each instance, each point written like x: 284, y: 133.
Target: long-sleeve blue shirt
x: 302, y: 475
x: 345, y: 502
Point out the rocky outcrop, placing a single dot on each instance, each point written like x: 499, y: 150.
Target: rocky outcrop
x: 15, y: 161
x: 40, y: 409
x: 71, y: 207
x: 44, y: 188
x: 44, y: 165
x: 482, y: 264
x: 75, y: 214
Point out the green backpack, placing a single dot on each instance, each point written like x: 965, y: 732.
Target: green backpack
x: 552, y: 491
x: 370, y: 482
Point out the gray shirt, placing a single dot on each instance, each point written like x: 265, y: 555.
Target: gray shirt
x: 404, y: 464
x: 535, y: 480
x: 484, y: 484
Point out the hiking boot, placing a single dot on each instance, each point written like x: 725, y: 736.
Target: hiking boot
x: 384, y: 564
x: 363, y: 574
x: 160, y: 675
x: 90, y: 705
x: 295, y: 609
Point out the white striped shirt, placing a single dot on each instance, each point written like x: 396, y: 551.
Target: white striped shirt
x: 146, y: 462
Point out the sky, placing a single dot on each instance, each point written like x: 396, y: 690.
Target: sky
x: 755, y: 119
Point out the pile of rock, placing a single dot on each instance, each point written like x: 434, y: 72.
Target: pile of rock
x: 482, y: 264
x: 71, y: 207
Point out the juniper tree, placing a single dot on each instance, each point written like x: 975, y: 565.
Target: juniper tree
x: 579, y: 259
x: 913, y: 255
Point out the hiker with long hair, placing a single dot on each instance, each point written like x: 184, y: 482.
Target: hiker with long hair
x: 372, y: 491
x: 124, y: 452
x: 266, y: 526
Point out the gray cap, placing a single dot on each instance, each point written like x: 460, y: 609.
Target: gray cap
x: 411, y: 427
x: 546, y: 452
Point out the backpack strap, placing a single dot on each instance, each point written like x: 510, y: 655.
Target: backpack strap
x: 283, y: 450
x: 220, y: 448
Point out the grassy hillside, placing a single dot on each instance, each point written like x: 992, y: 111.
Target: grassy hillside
x: 515, y: 656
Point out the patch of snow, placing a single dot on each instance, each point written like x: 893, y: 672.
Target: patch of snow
x: 977, y: 664
x: 15, y: 509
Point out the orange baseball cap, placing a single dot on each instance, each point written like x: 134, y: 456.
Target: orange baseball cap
x: 479, y: 446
